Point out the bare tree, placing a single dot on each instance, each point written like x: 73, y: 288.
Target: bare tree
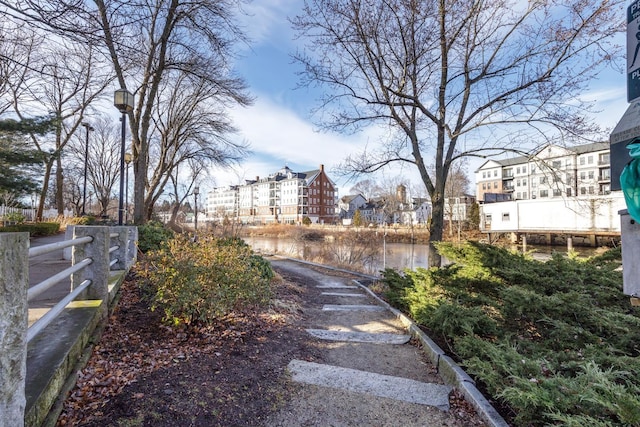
x: 65, y: 85
x: 455, y: 78
x: 368, y: 188
x: 193, y: 38
x: 190, y: 129
x: 103, y: 160
x: 146, y: 42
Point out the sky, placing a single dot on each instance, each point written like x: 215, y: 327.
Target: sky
x: 279, y: 126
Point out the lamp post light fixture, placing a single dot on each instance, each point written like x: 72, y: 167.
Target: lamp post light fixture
x: 128, y: 157
x: 123, y: 101
x: 88, y: 127
x: 196, y: 191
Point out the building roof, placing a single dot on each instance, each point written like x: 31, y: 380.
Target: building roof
x: 578, y: 149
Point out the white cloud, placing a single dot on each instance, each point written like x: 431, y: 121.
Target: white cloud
x: 266, y: 18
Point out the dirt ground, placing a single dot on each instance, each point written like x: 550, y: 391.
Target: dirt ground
x: 144, y: 373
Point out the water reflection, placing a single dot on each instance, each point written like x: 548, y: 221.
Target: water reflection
x: 390, y: 255
x: 395, y: 255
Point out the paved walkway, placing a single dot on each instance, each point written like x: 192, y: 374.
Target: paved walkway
x: 367, y: 371
x: 42, y: 267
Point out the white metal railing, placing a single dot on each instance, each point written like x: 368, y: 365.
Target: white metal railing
x: 96, y: 251
x: 121, y: 241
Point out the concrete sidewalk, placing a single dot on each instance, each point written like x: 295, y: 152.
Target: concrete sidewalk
x: 55, y: 354
x: 42, y: 267
x: 367, y: 372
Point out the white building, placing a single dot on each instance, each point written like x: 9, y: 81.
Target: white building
x: 563, y: 190
x: 282, y: 197
x: 553, y: 171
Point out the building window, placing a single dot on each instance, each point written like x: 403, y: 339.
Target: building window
x: 582, y: 160
x: 533, y: 168
x: 604, y: 159
x: 495, y: 185
x: 591, y: 189
x: 524, y: 182
x: 484, y: 174
x: 568, y: 191
x: 524, y: 169
x: 591, y: 174
x: 583, y: 191
x: 484, y: 185
x: 518, y: 195
x: 543, y: 180
x: 518, y: 183
x: 605, y: 174
x: 505, y: 216
x: 556, y: 164
x: 557, y: 192
x: 583, y: 176
x: 518, y: 170
x: 544, y: 193
x: 524, y: 194
x: 495, y: 172
x: 533, y: 195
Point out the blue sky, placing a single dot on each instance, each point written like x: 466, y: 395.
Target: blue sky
x: 278, y: 126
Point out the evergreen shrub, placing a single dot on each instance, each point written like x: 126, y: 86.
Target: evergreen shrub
x: 556, y: 341
x: 152, y: 235
x: 34, y: 229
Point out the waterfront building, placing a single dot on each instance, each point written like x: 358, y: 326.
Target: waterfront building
x: 284, y: 197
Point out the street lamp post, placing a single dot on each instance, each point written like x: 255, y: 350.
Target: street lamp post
x: 123, y: 101
x: 128, y: 157
x: 86, y: 159
x: 196, y: 191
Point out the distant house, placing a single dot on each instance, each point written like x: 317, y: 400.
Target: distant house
x: 348, y: 205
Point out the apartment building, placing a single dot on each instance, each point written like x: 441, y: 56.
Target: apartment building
x: 552, y: 171
x: 556, y: 190
x: 284, y: 196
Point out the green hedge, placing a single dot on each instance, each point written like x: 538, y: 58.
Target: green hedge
x: 37, y: 229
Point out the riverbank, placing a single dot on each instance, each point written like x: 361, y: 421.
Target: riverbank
x: 314, y: 232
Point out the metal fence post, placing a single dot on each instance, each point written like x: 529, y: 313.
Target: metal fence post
x: 98, y: 270
x: 14, y: 312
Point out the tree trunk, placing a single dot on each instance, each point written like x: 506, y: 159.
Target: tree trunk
x: 435, y: 234
x: 59, y: 187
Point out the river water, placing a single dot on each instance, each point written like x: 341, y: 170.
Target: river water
x: 387, y: 255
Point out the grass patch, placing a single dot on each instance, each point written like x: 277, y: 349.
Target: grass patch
x: 555, y: 341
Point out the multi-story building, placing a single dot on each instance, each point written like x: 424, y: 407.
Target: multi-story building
x: 282, y: 197
x: 553, y: 171
x: 556, y: 190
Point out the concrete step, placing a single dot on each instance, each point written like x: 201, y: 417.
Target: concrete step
x: 339, y: 294
x: 370, y: 383
x: 349, y: 336
x: 352, y: 307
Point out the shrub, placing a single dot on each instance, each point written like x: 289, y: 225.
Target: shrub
x: 38, y: 229
x: 15, y: 217
x: 556, y: 341
x: 152, y: 235
x: 193, y: 283
x: 82, y: 220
